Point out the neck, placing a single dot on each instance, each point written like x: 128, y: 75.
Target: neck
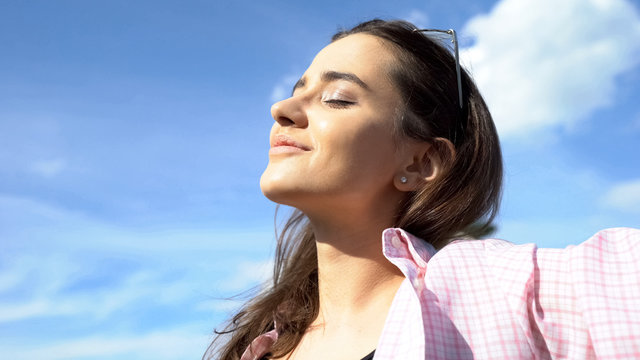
x: 354, y: 278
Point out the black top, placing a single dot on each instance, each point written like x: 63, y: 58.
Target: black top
x: 368, y: 357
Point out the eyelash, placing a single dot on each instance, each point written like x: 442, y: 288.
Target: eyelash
x: 338, y: 104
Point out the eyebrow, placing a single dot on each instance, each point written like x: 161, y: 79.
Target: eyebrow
x: 329, y: 76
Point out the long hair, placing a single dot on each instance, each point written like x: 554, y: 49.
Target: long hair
x: 462, y: 201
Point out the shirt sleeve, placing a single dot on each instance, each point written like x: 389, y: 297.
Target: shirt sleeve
x: 585, y: 300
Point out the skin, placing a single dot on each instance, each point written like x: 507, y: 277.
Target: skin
x: 342, y: 166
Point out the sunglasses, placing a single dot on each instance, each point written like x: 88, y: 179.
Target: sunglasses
x: 454, y: 40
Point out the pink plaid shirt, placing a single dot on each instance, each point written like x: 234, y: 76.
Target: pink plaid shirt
x: 491, y: 299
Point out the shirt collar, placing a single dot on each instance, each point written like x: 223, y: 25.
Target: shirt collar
x: 399, y: 244
x: 409, y: 253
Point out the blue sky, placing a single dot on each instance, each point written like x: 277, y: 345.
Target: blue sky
x: 134, y: 133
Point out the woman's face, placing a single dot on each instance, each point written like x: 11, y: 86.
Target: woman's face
x: 332, y: 143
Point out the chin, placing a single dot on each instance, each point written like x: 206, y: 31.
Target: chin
x: 274, y: 187
x: 286, y: 190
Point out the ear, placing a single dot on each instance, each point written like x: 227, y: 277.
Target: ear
x: 424, y: 163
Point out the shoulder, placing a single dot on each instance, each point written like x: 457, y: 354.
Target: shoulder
x: 506, y: 264
x: 614, y: 241
x: 579, y: 300
x: 491, y: 269
x: 608, y: 257
x: 487, y: 253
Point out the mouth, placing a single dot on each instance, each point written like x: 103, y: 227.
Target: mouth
x: 283, y: 143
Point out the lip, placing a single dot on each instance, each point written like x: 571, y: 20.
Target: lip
x: 285, y: 144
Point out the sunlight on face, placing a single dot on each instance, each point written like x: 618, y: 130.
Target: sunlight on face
x: 332, y: 143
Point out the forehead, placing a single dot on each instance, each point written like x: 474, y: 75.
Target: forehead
x: 367, y: 56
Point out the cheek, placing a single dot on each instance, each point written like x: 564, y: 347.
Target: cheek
x: 358, y: 151
x: 353, y: 158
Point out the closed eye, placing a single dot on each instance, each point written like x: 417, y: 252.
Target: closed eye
x: 338, y: 104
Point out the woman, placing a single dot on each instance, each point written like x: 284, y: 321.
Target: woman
x: 375, y: 140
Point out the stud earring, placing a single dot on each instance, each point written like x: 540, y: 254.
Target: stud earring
x: 403, y: 180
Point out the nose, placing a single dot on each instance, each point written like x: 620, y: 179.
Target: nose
x: 289, y: 112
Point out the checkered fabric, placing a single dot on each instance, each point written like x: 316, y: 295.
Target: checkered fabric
x: 491, y: 299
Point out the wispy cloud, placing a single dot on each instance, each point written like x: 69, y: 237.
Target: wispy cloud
x: 74, y: 266
x: 227, y: 305
x: 181, y: 343
x: 418, y: 18
x: 248, y: 273
x: 55, y: 289
x: 624, y: 196
x: 48, y: 168
x: 245, y: 276
x: 544, y: 64
x: 556, y: 232
x: 283, y: 88
x: 77, y: 232
x: 635, y: 125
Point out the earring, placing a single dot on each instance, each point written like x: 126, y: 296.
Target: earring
x: 403, y: 180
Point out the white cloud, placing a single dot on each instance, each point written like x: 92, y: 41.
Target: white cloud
x: 181, y: 343
x: 22, y: 310
x: 635, y: 125
x: 544, y: 63
x: 66, y: 250
x: 283, y: 88
x: 227, y: 306
x: 48, y: 168
x: 12, y: 278
x: 49, y: 279
x: 244, y: 277
x: 28, y: 219
x: 57, y: 263
x: 247, y: 274
x: 418, y: 18
x: 624, y: 196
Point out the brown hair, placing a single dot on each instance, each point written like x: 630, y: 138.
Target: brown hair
x: 462, y: 201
